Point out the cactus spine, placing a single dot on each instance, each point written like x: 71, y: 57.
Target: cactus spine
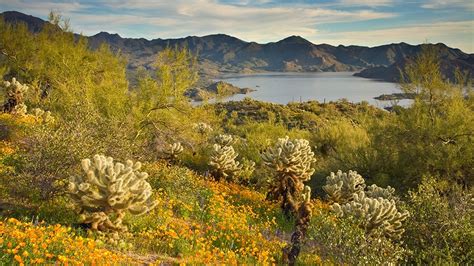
x: 376, y: 214
x: 19, y: 109
x: 108, y: 190
x: 340, y: 187
x: 14, y: 100
x: 292, y: 161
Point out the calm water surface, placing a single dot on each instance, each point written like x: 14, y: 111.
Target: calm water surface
x: 326, y: 86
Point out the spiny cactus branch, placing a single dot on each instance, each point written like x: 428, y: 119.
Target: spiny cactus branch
x: 110, y: 189
x: 292, y: 161
x: 340, y: 187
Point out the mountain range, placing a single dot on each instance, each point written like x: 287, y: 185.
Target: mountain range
x: 221, y: 54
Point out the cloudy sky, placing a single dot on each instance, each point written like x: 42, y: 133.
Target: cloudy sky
x: 358, y: 22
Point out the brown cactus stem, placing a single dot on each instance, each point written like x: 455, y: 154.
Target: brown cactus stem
x: 217, y: 175
x: 9, y: 105
x: 290, y: 189
x: 302, y: 223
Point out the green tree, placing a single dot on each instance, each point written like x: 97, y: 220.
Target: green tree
x: 434, y: 136
x: 66, y: 76
x: 162, y: 112
x: 176, y: 72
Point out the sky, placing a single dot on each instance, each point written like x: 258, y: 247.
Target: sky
x: 347, y: 22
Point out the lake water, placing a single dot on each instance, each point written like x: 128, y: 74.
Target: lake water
x: 324, y: 86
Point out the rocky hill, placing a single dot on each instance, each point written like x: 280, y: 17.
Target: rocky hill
x: 219, y: 53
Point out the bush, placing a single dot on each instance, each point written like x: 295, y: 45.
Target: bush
x: 440, y: 227
x: 342, y: 241
x: 433, y: 137
x: 44, y: 156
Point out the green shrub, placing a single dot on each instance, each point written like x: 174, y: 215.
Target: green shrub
x: 48, y: 154
x: 342, y: 241
x: 440, y: 228
x: 66, y: 76
x: 432, y: 137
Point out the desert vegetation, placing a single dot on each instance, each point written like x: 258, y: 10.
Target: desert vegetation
x: 94, y: 170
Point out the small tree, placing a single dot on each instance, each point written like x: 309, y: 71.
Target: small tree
x: 176, y: 72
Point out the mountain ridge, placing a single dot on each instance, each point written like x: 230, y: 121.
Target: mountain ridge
x: 220, y: 53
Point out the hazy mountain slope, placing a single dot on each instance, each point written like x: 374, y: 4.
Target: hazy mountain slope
x: 392, y: 73
x: 220, y: 53
x: 34, y: 24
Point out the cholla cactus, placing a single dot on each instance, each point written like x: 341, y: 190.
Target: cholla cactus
x: 224, y: 139
x: 172, y: 151
x: 292, y: 161
x: 20, y: 109
x: 303, y: 219
x: 376, y: 214
x: 44, y: 116
x: 14, y: 100
x: 223, y: 161
x: 304, y: 210
x: 293, y: 158
x: 340, y: 187
x: 202, y: 128
x: 375, y: 191
x: 108, y: 190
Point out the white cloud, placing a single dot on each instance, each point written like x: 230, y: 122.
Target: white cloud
x: 169, y: 19
x: 181, y: 18
x: 454, y: 34
x: 447, y: 4
x: 41, y: 7
x: 369, y: 3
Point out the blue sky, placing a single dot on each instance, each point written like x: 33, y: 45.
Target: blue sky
x: 357, y: 22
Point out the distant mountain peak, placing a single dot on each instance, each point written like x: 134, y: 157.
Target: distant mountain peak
x: 107, y: 34
x: 110, y: 37
x: 221, y: 36
x: 34, y: 24
x: 295, y: 39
